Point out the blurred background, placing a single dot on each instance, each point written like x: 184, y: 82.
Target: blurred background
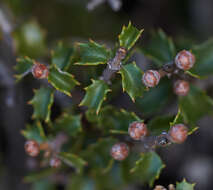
x: 33, y: 28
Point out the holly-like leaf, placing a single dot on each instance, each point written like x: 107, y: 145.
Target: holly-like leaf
x: 148, y: 168
x: 71, y: 124
x: 42, y: 184
x: 129, y: 36
x: 80, y: 182
x: 34, y: 132
x: 195, y: 105
x: 204, y: 59
x: 98, y: 154
x: 23, y: 67
x: 72, y: 160
x: 112, y: 119
x: 92, y: 53
x: 159, y: 124
x: 38, y: 175
x: 62, y: 81
x: 131, y: 80
x: 155, y: 98
x: 42, y: 102
x: 184, y: 186
x: 61, y: 56
x: 95, y: 95
x: 161, y: 48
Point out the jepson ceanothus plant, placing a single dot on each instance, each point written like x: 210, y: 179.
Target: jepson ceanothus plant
x: 90, y: 140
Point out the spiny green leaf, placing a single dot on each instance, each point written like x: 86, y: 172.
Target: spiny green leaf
x: 71, y: 124
x: 95, y: 95
x: 98, y: 154
x: 62, y: 81
x: 155, y: 98
x: 35, y: 176
x: 184, y: 186
x: 34, y: 132
x: 159, y: 124
x: 72, y: 160
x: 204, y: 59
x: 92, y: 53
x: 81, y: 182
x: 43, y: 184
x: 23, y: 67
x: 113, y: 119
x: 148, y: 168
x: 131, y: 80
x: 42, y: 102
x: 195, y: 105
x: 129, y: 36
x: 161, y: 48
x: 61, y: 56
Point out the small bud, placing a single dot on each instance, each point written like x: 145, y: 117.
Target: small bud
x: 40, y: 71
x: 115, y: 63
x: 32, y: 148
x: 55, y: 162
x: 121, y: 53
x: 181, y: 88
x: 185, y: 60
x: 120, y: 151
x: 178, y: 133
x: 151, y: 78
x: 137, y: 130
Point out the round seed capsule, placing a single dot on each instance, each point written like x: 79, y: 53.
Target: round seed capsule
x: 40, y: 71
x: 32, y: 148
x: 178, y: 133
x: 151, y: 78
x: 55, y: 162
x: 181, y: 88
x: 120, y: 151
x: 137, y: 130
x: 185, y: 60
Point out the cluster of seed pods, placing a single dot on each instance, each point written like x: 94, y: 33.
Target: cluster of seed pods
x: 178, y: 133
x: 138, y: 131
x: 184, y: 60
x: 33, y: 149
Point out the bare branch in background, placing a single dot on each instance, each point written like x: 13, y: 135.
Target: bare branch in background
x: 114, y: 4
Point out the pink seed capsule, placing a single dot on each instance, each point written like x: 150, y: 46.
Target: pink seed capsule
x: 181, y: 88
x: 151, y: 78
x: 120, y: 151
x: 178, y: 133
x: 32, y: 148
x: 137, y: 130
x: 40, y: 71
x: 185, y: 60
x: 55, y: 162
